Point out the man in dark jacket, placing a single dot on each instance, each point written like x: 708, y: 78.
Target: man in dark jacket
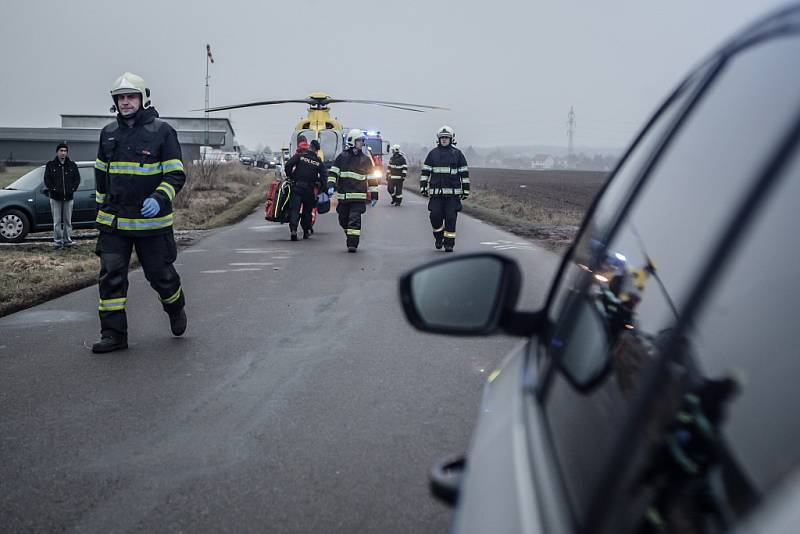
x: 306, y: 172
x: 138, y: 172
x: 351, y: 177
x: 445, y: 179
x: 61, y: 180
x: 398, y: 169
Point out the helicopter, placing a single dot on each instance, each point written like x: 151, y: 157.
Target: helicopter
x: 319, y: 124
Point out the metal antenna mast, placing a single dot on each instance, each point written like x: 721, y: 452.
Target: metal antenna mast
x: 209, y: 59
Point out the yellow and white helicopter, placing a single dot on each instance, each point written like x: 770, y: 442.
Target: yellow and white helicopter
x: 319, y: 124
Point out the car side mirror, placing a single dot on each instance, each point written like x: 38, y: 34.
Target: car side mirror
x: 468, y: 295
x: 579, y: 345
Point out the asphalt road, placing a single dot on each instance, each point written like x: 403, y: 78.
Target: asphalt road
x: 299, y: 399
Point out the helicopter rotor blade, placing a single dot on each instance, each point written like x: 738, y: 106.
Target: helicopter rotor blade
x: 385, y: 103
x: 400, y: 107
x: 252, y: 104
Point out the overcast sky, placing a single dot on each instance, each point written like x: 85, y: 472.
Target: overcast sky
x: 509, y: 70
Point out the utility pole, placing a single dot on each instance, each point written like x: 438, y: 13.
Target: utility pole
x: 570, y: 133
x: 209, y: 59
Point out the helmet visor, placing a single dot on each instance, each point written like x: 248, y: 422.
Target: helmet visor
x: 125, y: 91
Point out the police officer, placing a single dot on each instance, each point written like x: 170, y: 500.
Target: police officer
x: 306, y: 172
x: 398, y: 168
x: 445, y: 179
x: 138, y: 172
x: 351, y: 177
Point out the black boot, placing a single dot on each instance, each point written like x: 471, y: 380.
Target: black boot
x: 351, y: 249
x: 438, y: 243
x: 177, y: 323
x: 109, y: 344
x: 306, y: 234
x: 294, y: 236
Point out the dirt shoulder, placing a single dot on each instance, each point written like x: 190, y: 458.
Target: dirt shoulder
x: 33, y: 272
x: 543, y: 206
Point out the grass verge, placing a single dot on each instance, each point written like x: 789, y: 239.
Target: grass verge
x: 33, y: 272
x: 553, y: 227
x: 37, y: 273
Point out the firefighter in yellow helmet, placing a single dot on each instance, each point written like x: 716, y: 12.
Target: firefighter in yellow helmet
x: 398, y: 169
x: 445, y: 179
x: 351, y: 177
x: 138, y: 172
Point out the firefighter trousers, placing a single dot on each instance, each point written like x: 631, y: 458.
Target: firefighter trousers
x: 305, y: 198
x: 156, y: 254
x: 350, y: 220
x: 395, y: 188
x: 444, y: 212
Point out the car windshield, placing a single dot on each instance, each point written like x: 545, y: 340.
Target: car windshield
x: 376, y: 145
x: 29, y: 181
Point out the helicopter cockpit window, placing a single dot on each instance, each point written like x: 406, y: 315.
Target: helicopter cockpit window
x: 329, y: 142
x: 308, y: 134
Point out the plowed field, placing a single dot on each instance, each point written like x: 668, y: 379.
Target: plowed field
x: 544, y: 205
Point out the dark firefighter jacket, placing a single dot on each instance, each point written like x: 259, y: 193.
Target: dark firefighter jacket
x: 306, y: 170
x: 352, y: 177
x: 61, y: 179
x: 445, y: 173
x: 134, y: 163
x: 398, y: 167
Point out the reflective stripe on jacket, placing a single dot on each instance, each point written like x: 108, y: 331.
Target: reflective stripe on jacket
x: 133, y: 164
x: 351, y: 176
x: 398, y: 167
x: 445, y: 172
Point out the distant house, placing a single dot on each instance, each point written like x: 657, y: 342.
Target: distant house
x: 82, y: 132
x: 543, y: 161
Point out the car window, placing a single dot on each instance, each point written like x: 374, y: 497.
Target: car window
x: 614, y: 195
x: 639, y: 285
x: 28, y: 181
x: 736, y: 435
x: 746, y: 369
x: 87, y: 178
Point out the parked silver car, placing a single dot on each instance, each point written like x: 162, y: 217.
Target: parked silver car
x: 658, y: 387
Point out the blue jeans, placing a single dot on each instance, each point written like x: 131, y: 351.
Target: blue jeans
x: 62, y: 221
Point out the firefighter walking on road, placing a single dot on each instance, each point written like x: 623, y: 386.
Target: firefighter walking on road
x: 306, y: 172
x: 398, y: 169
x: 138, y: 172
x: 445, y: 180
x: 351, y: 177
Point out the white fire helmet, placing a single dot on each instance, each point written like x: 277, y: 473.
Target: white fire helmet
x: 131, y: 83
x: 352, y: 135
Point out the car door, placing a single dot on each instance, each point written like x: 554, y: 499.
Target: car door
x: 609, y: 389
x: 84, y: 210
x: 505, y: 489
x: 41, y: 204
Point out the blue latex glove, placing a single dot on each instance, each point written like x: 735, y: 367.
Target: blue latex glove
x: 322, y: 199
x: 150, y: 208
x: 330, y: 191
x: 373, y: 202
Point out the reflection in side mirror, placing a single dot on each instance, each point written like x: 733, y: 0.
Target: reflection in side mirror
x: 466, y: 295
x: 580, y: 346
